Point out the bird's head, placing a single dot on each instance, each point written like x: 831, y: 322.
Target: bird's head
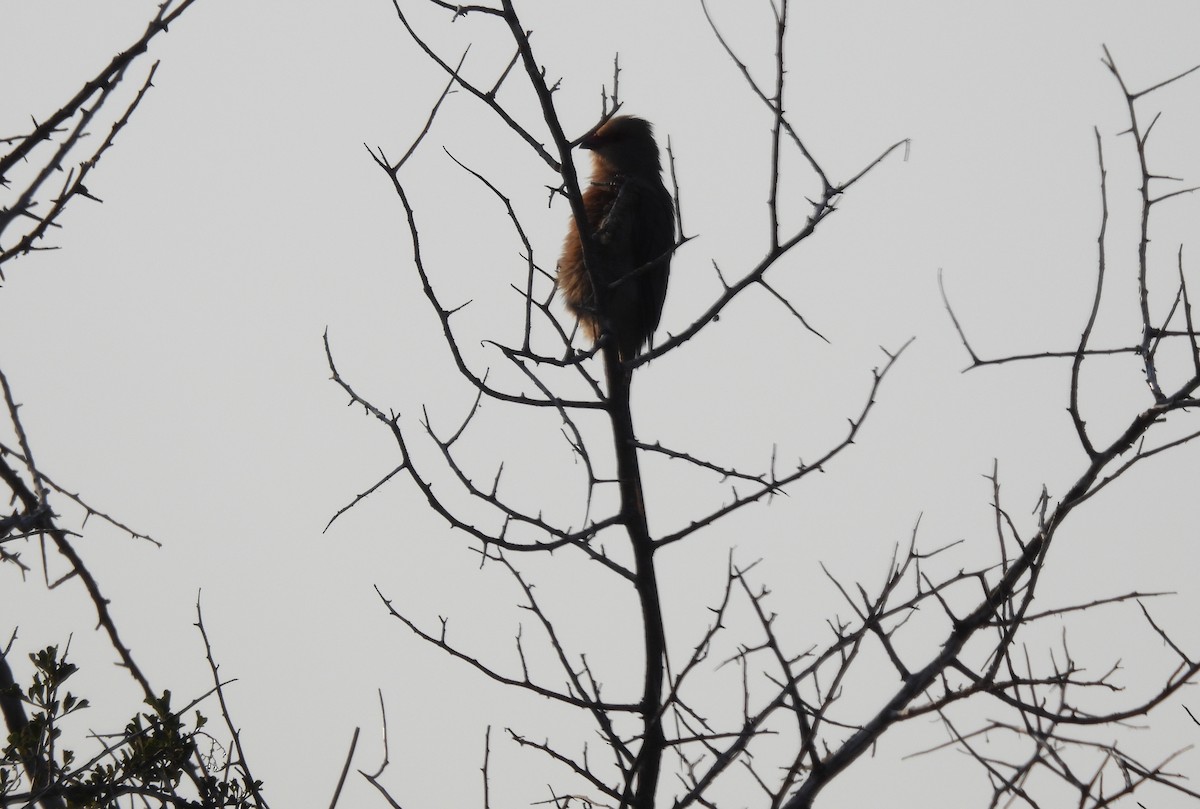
x: 624, y: 144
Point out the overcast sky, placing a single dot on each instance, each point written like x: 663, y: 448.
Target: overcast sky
x: 169, y: 361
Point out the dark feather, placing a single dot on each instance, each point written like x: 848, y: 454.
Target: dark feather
x: 632, y: 218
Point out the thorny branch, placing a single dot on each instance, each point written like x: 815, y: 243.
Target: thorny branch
x: 77, y: 118
x: 800, y: 695
x: 54, y: 145
x: 638, y: 765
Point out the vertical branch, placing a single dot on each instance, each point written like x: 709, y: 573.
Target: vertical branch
x: 1144, y: 235
x: 565, y: 165
x: 1187, y: 314
x: 1077, y: 362
x: 35, y: 476
x: 641, y: 791
x: 776, y: 127
x: 633, y: 514
x: 243, y: 763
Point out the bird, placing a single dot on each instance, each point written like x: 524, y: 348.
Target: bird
x: 631, y: 216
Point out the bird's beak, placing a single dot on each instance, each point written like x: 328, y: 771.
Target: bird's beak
x: 591, y: 142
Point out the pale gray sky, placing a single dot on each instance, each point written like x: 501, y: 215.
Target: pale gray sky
x: 170, y: 365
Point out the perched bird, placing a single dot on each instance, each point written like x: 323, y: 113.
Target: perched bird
x: 632, y: 220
